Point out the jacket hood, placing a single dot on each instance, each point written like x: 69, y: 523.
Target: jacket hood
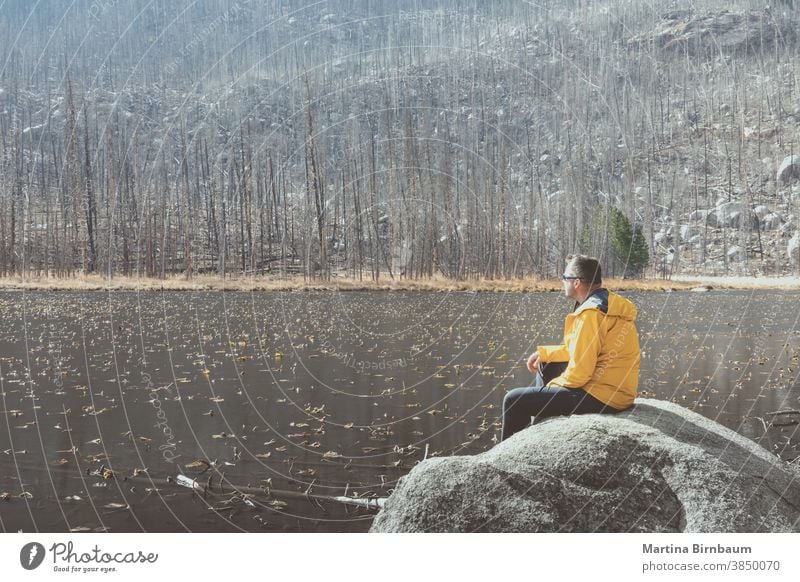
x: 609, y: 303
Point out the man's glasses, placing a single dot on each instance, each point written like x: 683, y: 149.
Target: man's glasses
x: 566, y: 278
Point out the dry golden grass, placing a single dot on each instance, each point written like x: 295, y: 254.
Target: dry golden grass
x: 213, y: 283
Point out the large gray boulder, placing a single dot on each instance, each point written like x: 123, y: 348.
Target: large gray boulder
x: 657, y: 468
x: 789, y: 170
x: 771, y: 221
x: 793, y: 248
x: 730, y: 215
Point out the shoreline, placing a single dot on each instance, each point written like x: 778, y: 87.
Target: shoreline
x: 437, y: 284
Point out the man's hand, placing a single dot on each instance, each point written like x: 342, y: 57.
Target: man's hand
x: 533, y: 362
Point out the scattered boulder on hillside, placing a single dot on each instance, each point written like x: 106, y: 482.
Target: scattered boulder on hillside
x: 771, y: 221
x: 736, y: 254
x: 662, y: 236
x: 688, y: 231
x: 729, y: 215
x: 699, y: 215
x: 656, y: 468
x: 761, y: 211
x: 789, y: 170
x: 684, y: 31
x: 767, y: 219
x: 793, y: 248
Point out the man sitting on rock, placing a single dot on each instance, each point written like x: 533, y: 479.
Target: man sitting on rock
x: 595, y: 369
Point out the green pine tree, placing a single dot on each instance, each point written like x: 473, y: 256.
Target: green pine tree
x: 628, y: 244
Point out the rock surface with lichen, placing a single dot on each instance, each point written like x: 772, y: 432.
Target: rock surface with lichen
x: 656, y: 468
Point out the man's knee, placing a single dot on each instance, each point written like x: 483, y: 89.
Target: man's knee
x: 511, y: 397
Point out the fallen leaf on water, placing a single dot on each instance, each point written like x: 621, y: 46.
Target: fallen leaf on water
x: 115, y: 506
x: 315, y: 409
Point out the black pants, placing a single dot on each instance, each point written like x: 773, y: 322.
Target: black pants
x: 541, y: 401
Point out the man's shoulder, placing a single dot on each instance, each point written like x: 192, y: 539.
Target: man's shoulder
x: 622, y: 307
x: 597, y: 301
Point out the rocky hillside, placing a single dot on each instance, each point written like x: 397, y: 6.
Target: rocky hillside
x: 464, y: 138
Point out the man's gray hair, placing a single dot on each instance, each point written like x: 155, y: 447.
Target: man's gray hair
x: 587, y: 268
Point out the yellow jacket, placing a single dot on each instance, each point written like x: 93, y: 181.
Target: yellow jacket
x: 601, y: 345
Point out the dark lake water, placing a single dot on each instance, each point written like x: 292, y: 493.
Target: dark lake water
x: 320, y: 393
